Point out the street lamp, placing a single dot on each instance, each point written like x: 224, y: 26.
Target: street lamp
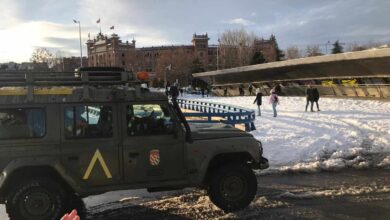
x: 219, y: 42
x: 169, y: 67
x: 81, y: 49
x: 326, y: 46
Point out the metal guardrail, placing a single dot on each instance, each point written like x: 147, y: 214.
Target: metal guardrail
x: 90, y: 77
x: 230, y: 114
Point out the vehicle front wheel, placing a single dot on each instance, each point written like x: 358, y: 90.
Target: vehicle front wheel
x: 232, y: 187
x: 40, y: 198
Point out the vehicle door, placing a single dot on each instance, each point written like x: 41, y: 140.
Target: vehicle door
x: 153, y: 143
x: 90, y: 143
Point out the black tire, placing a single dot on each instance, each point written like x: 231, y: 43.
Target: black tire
x: 232, y: 186
x: 38, y: 198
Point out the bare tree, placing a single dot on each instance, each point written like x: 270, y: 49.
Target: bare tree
x: 43, y: 55
x: 356, y: 47
x: 293, y: 53
x: 313, y: 50
x: 236, y: 48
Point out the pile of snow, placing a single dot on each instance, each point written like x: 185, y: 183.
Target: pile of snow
x: 352, y: 190
x: 193, y: 204
x: 345, y: 133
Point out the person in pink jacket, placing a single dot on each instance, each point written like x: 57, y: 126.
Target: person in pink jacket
x: 274, y: 101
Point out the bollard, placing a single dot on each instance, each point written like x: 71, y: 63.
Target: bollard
x: 253, y: 127
x: 247, y: 127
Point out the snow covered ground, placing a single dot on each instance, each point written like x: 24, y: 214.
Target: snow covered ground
x: 345, y: 133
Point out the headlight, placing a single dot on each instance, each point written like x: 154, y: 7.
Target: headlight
x: 260, y: 147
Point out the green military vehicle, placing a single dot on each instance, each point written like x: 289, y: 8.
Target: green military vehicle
x: 64, y: 136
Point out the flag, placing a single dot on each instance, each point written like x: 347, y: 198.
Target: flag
x: 112, y: 27
x: 75, y: 21
x: 98, y: 21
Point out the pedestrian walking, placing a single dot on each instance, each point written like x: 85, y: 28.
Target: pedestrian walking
x: 250, y: 89
x: 309, y: 98
x: 225, y: 91
x: 274, y: 101
x: 258, y: 100
x: 167, y: 88
x: 316, y: 97
x: 174, y: 92
x: 202, y: 91
x: 207, y: 91
x: 241, y: 90
x: 181, y: 91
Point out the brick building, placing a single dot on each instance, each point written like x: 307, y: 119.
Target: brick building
x: 112, y: 51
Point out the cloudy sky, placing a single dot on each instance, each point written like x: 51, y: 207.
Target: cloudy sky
x: 28, y: 24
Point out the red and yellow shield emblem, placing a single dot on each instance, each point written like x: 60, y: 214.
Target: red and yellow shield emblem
x: 154, y: 157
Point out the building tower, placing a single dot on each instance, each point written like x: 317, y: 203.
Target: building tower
x: 201, y: 45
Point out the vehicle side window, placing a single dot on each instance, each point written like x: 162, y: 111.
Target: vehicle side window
x: 22, y: 123
x: 148, y: 119
x: 88, y: 122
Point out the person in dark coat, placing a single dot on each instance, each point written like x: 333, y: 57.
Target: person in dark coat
x: 258, y: 100
x: 167, y: 88
x: 250, y: 89
x: 309, y: 98
x: 202, y: 91
x: 174, y: 92
x: 241, y: 90
x: 316, y: 97
x: 225, y: 91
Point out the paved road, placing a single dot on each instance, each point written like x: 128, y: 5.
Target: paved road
x: 349, y: 194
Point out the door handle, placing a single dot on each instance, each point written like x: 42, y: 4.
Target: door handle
x: 133, y: 154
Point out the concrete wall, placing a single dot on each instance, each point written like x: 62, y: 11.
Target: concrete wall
x: 361, y: 91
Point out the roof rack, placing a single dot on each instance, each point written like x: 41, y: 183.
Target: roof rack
x: 82, y: 76
x: 85, y: 77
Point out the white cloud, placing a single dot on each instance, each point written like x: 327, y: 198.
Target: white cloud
x: 240, y: 21
x: 8, y: 13
x: 47, y: 23
x: 19, y: 41
x: 19, y: 37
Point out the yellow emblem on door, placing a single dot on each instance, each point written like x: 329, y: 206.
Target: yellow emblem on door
x: 97, y: 157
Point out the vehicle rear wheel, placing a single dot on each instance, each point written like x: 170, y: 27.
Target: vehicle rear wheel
x: 232, y: 187
x: 39, y: 198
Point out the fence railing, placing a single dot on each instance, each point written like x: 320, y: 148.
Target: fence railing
x: 209, y: 112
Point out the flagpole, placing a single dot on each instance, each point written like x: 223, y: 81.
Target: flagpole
x: 100, y: 25
x: 81, y: 48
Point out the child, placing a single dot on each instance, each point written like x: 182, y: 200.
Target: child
x: 259, y: 96
x: 274, y: 100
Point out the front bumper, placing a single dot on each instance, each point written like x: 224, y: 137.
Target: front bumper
x: 261, y: 165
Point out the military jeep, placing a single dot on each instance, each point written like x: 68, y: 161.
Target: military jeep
x: 65, y: 136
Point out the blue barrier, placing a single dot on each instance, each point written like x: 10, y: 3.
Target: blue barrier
x: 230, y: 114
